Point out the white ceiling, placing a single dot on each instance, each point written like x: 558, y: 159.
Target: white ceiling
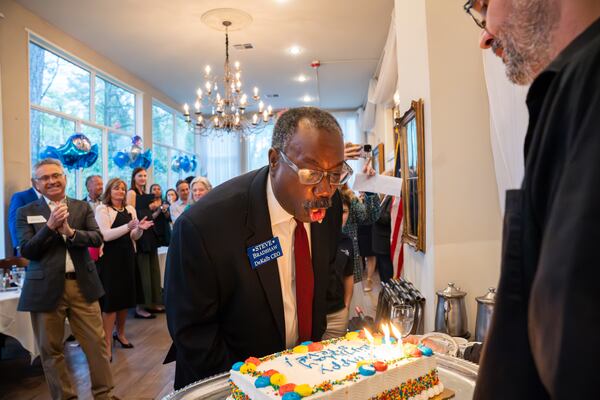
x: 164, y: 43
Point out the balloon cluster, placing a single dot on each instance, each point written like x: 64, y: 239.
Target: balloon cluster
x: 133, y: 157
x: 77, y: 152
x: 184, y: 163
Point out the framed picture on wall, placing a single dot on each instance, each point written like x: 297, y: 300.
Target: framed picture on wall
x: 379, y: 159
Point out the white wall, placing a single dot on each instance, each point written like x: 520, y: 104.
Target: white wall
x: 439, y: 62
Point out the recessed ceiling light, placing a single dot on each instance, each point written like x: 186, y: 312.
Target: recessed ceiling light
x: 307, y: 99
x: 295, y: 50
x: 301, y: 78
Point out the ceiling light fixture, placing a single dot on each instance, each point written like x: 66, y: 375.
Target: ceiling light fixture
x: 307, y: 99
x: 295, y: 50
x: 226, y: 112
x: 301, y: 78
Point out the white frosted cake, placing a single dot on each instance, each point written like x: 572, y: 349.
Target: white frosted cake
x: 346, y: 368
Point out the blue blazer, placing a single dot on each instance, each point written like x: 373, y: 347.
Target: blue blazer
x: 18, y: 200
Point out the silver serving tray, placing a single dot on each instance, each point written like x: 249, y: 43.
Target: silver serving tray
x: 456, y: 374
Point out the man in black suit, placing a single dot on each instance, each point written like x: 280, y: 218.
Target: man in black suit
x: 18, y: 200
x: 231, y: 290
x: 54, y: 234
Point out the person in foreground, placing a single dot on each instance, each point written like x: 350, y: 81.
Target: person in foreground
x: 248, y: 266
x: 547, y: 296
x: 54, y: 233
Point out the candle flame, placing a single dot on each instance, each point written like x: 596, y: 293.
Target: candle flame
x: 396, y: 333
x: 369, y: 336
x: 386, y: 333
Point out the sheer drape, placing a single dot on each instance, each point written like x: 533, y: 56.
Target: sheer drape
x: 220, y: 158
x: 508, y: 124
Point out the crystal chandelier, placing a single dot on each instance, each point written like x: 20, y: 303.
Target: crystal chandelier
x: 228, y: 112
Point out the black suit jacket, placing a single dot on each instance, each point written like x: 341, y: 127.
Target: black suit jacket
x: 219, y: 309
x: 46, y: 251
x: 382, y: 229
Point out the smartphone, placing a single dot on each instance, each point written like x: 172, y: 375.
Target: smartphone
x: 365, y: 152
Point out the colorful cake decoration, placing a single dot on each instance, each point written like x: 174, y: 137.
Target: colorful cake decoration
x: 291, y: 396
x: 303, y: 390
x: 366, y: 370
x: 262, y: 381
x: 288, y: 387
x: 237, y: 366
x: 278, y: 379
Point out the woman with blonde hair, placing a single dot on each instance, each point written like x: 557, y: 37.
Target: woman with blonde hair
x: 199, y: 186
x: 116, y: 266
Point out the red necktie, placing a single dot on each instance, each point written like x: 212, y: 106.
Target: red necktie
x: 305, y: 282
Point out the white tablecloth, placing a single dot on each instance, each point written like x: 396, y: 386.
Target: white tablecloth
x: 15, y: 323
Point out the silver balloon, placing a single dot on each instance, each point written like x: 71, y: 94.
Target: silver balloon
x: 135, y: 152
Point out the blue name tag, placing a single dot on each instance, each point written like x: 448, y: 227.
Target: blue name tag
x: 264, y: 252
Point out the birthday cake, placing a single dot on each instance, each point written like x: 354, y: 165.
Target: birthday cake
x: 350, y: 367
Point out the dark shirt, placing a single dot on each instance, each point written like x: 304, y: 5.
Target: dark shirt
x: 547, y: 297
x: 340, y: 269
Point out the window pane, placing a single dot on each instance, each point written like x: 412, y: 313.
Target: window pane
x: 95, y: 136
x: 115, y: 106
x: 184, y: 135
x: 117, y: 142
x: 161, y: 164
x: 219, y: 159
x: 48, y: 130
x: 162, y: 125
x: 58, y: 84
x: 258, y: 148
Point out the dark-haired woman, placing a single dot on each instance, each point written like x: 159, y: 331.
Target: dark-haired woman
x: 145, y: 204
x: 116, y: 266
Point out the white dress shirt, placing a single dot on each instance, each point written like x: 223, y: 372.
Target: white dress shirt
x: 93, y: 203
x: 283, y: 226
x: 69, y: 267
x: 177, y: 208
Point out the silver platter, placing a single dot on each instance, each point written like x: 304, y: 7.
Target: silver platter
x: 456, y: 374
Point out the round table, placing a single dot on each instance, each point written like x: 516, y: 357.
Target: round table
x: 456, y: 374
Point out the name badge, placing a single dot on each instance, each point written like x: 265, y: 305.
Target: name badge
x: 264, y: 252
x: 36, y: 219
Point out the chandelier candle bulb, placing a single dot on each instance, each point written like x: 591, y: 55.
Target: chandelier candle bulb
x: 261, y: 107
x: 265, y: 116
x: 255, y: 119
x: 186, y: 110
x: 207, y: 85
x: 237, y: 65
x: 270, y: 110
x: 197, y: 106
x: 207, y: 70
x: 199, y: 93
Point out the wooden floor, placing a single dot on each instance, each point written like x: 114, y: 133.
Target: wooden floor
x: 138, y: 373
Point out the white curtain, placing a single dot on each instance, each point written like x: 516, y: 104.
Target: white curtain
x: 382, y: 88
x: 508, y: 124
x: 220, y: 158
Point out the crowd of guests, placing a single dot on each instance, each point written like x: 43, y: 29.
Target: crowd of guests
x: 117, y: 226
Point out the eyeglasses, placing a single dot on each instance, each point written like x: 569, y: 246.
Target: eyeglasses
x: 46, y: 178
x: 313, y: 177
x: 477, y: 9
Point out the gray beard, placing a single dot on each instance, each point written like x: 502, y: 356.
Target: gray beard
x: 526, y: 39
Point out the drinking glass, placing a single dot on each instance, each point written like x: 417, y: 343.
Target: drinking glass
x: 403, y: 317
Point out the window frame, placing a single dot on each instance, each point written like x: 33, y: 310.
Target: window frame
x: 94, y: 72
x: 173, y: 149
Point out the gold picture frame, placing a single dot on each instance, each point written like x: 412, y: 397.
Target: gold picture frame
x: 411, y: 150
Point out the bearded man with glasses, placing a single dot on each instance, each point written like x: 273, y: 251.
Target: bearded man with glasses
x: 248, y: 266
x: 547, y: 300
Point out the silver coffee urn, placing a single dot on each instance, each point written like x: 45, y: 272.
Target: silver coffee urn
x: 451, y: 312
x: 485, y: 309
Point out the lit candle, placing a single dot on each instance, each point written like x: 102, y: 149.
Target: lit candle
x: 255, y: 119
x: 186, y: 109
x: 265, y: 116
x: 386, y: 334
x: 261, y: 107
x: 371, y: 342
x: 398, y: 336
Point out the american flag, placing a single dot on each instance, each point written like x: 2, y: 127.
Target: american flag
x: 396, y: 247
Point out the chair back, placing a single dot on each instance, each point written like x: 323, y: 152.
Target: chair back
x: 9, y: 262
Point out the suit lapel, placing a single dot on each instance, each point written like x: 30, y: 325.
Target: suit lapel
x: 259, y: 230
x: 72, y: 207
x: 43, y: 208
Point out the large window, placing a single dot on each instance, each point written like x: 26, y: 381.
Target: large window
x: 67, y: 96
x: 172, y: 137
x: 257, y: 154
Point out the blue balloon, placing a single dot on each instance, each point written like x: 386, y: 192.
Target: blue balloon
x: 184, y: 163
x: 121, y: 159
x: 143, y: 160
x: 49, y: 152
x: 193, y: 163
x: 175, y: 167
